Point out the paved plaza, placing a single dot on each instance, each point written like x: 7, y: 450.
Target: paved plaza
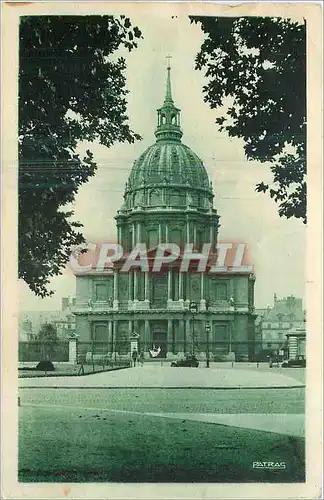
x: 156, y: 375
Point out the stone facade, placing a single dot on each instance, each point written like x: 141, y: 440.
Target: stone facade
x: 276, y: 322
x: 168, y: 198
x: 30, y: 322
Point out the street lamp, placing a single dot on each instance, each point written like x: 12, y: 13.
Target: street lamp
x: 207, y: 327
x: 193, y: 309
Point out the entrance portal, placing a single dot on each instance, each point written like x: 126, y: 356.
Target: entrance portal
x: 159, y: 341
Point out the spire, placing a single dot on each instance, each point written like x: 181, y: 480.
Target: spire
x: 168, y: 126
x: 168, y: 94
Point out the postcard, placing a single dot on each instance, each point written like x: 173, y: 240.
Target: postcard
x: 161, y: 257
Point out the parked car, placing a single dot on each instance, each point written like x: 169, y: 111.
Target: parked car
x: 299, y: 362
x: 191, y: 361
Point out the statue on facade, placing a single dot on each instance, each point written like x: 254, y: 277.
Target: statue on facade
x: 90, y: 302
x: 231, y: 302
x: 189, y: 200
x: 110, y: 302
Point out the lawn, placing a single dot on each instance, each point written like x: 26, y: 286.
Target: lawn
x: 62, y: 444
x: 65, y: 370
x: 176, y: 400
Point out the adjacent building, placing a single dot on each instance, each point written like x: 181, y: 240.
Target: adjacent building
x: 168, y: 198
x: 30, y: 322
x: 275, y: 323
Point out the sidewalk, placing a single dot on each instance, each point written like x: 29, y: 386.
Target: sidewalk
x: 157, y: 376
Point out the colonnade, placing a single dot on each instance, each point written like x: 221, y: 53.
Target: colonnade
x: 136, y: 275
x: 189, y: 235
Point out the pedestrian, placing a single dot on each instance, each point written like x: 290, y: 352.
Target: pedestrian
x: 141, y: 357
x: 134, y: 356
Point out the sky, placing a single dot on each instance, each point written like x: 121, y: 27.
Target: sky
x: 276, y: 245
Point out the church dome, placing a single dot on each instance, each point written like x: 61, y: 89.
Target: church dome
x: 169, y: 163
x: 168, y: 173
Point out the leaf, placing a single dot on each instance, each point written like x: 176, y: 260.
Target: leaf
x: 61, y: 103
x: 259, y: 63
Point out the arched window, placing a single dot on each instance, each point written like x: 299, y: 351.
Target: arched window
x: 173, y: 119
x: 199, y: 238
x: 163, y: 119
x: 152, y: 238
x: 176, y: 236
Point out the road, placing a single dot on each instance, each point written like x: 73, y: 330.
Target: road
x: 160, y: 435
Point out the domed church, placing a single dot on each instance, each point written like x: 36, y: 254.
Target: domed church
x: 168, y: 199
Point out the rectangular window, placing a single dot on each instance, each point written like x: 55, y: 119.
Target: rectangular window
x: 221, y: 291
x: 221, y: 333
x: 100, y: 332
x: 101, y: 292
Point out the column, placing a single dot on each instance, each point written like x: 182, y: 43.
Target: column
x: 147, y: 339
x: 180, y: 287
x: 73, y: 350
x: 160, y: 233
x: 170, y: 339
x: 186, y: 284
x: 133, y: 234
x: 115, y: 339
x: 187, y: 338
x: 139, y: 232
x: 166, y: 233
x: 130, y: 327
x: 169, y: 285
x: 202, y: 292
x: 135, y: 286
x: 195, y: 235
x: 211, y: 234
x: 230, y: 346
x: 130, y: 289
x: 110, y: 336
x: 187, y: 232
x: 181, y: 337
x: 146, y: 287
x: 115, y: 302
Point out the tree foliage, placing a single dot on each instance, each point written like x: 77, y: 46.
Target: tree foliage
x: 47, y: 333
x: 48, y: 339
x: 259, y: 63
x: 70, y: 90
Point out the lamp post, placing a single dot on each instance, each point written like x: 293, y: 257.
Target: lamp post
x: 193, y: 309
x: 231, y: 304
x: 207, y: 327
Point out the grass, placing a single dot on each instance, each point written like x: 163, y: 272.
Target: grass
x: 67, y: 370
x: 68, y: 445
x: 177, y: 400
